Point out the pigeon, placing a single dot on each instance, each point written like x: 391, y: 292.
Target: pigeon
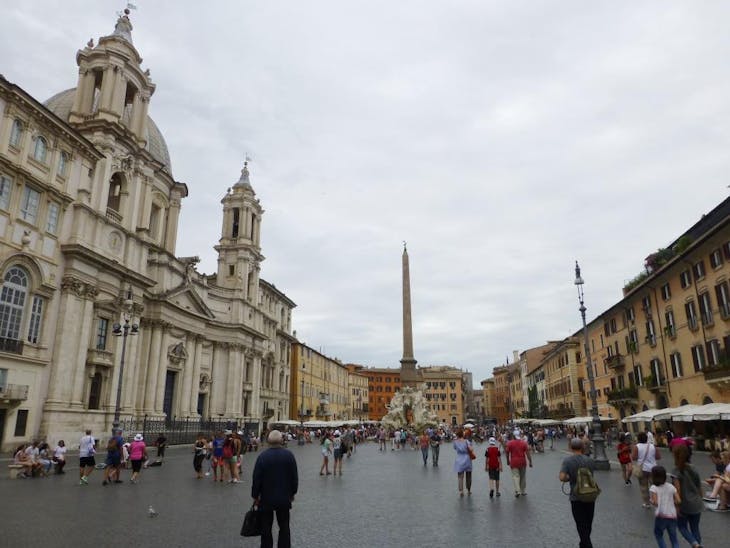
x: 152, y: 512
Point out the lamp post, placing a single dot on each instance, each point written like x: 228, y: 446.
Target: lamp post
x: 599, y: 449
x: 301, y: 409
x: 123, y: 330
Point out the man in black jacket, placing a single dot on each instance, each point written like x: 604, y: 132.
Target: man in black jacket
x: 275, y: 482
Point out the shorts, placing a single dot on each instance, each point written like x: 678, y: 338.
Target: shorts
x: 113, y: 459
x: 234, y: 459
x: 136, y: 465
x: 339, y: 453
x: 493, y: 474
x: 87, y: 461
x: 217, y: 461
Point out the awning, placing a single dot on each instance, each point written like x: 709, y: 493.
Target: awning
x: 709, y: 412
x: 585, y: 420
x: 658, y: 414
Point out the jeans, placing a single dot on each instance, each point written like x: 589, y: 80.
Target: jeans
x: 435, y: 454
x: 424, y: 452
x: 691, y: 535
x: 583, y: 516
x: 519, y: 479
x: 660, y: 524
x: 267, y: 520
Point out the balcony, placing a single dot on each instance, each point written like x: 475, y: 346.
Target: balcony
x: 14, y: 392
x: 655, y: 384
x: 323, y: 412
x: 670, y: 332
x: 268, y: 413
x: 99, y: 357
x: 623, y: 396
x: 718, y: 376
x: 113, y: 215
x: 11, y: 346
x: 615, y: 362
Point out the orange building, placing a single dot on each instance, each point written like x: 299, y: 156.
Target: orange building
x: 383, y: 383
x: 501, y: 401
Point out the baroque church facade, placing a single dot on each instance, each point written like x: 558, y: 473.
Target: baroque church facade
x: 89, y: 214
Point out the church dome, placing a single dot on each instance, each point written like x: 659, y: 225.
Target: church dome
x: 61, y: 103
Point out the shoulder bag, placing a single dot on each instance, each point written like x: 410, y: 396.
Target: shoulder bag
x: 638, y: 470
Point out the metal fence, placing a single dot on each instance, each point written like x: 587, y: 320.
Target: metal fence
x: 179, y: 431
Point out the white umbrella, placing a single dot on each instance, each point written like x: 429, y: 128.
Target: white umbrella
x: 709, y: 412
x: 585, y: 420
x: 468, y: 425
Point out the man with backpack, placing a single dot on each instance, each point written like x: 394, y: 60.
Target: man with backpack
x: 113, y: 458
x: 578, y: 470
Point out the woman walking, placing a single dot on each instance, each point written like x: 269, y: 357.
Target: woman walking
x: 462, y: 464
x: 623, y: 452
x: 424, y: 441
x: 137, y: 455
x: 200, y: 449
x: 646, y: 455
x: 326, y: 452
x: 687, y: 482
x: 666, y: 499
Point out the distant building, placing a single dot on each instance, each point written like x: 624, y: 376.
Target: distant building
x: 383, y: 383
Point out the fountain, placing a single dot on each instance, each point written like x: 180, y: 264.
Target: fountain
x: 409, y: 409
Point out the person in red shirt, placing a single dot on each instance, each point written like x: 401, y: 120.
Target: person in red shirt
x: 518, y: 455
x: 623, y: 452
x: 493, y: 466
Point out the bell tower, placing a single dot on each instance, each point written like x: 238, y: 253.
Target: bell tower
x: 112, y: 87
x: 239, y: 248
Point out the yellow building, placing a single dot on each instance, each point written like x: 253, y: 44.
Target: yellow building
x: 564, y: 369
x: 488, y: 398
x: 445, y: 390
x: 666, y: 342
x: 320, y: 386
x: 359, y: 393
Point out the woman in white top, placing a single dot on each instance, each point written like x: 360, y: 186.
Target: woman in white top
x: 646, y: 455
x: 59, y: 457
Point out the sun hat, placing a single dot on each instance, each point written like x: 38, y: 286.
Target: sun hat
x: 138, y: 437
x: 492, y: 441
x: 337, y: 432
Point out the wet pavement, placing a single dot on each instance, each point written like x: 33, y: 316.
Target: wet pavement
x: 383, y: 499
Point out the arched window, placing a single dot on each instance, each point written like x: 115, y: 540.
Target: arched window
x: 41, y: 149
x: 115, y: 192
x: 12, y: 303
x: 683, y: 402
x: 63, y: 163
x: 95, y: 391
x: 707, y: 400
x: 16, y: 133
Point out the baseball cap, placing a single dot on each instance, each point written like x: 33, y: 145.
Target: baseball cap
x: 492, y: 441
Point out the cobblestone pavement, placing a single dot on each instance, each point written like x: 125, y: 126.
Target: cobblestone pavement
x: 383, y: 499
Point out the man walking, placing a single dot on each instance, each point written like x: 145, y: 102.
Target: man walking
x: 582, y: 511
x: 518, y: 455
x: 435, y: 443
x: 275, y: 482
x: 86, y: 457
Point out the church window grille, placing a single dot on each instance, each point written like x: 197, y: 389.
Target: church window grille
x: 16, y: 133
x: 36, y: 314
x: 236, y: 222
x: 63, y: 163
x: 12, y: 303
x: 41, y: 150
x: 29, y: 205
x: 6, y: 188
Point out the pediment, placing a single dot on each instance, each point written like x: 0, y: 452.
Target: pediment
x: 187, y: 298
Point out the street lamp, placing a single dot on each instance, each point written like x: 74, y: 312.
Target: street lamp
x: 599, y: 449
x: 301, y: 409
x: 120, y: 330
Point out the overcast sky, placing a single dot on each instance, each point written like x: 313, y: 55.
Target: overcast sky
x: 501, y: 140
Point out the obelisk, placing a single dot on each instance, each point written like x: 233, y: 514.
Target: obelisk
x: 408, y: 373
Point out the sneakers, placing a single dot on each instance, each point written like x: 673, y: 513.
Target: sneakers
x: 517, y: 494
x: 83, y: 481
x: 491, y: 493
x: 104, y: 482
x: 118, y: 481
x: 499, y: 494
x: 720, y: 509
x: 646, y: 505
x: 523, y: 494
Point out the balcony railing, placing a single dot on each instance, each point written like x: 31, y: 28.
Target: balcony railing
x: 692, y: 324
x: 655, y: 384
x: 623, y: 395
x: 614, y: 362
x: 14, y: 392
x: 12, y: 346
x: 670, y: 332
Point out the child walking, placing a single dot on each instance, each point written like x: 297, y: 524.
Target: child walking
x: 664, y: 496
x: 493, y: 466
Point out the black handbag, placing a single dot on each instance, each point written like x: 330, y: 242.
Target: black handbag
x: 251, y: 523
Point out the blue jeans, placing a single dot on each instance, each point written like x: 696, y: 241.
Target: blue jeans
x: 691, y: 535
x: 660, y: 524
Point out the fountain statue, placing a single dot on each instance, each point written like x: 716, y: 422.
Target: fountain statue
x: 409, y: 409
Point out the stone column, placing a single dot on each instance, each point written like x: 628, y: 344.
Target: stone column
x: 173, y: 216
x: 195, y: 386
x: 83, y: 334
x: 187, y: 380
x: 408, y: 363
x: 162, y: 369
x: 256, y: 377
x: 214, y: 368
x: 220, y: 379
x: 153, y: 363
x: 108, y: 84
x: 68, y: 346
x: 235, y: 382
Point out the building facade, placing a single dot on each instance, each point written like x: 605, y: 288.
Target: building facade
x: 89, y: 213
x: 321, y: 386
x: 445, y: 390
x: 383, y: 383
